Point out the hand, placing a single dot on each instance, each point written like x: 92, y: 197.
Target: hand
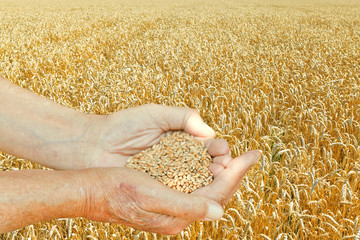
x: 58, y: 137
x: 112, y: 139
x: 133, y: 198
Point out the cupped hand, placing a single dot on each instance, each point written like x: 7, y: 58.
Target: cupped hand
x: 133, y: 198
x: 112, y: 139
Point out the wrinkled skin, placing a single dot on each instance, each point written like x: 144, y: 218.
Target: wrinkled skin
x: 133, y: 198
x: 58, y: 137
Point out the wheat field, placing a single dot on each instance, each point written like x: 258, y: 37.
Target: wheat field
x: 279, y: 76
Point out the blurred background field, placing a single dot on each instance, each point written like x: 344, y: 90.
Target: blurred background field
x: 279, y: 76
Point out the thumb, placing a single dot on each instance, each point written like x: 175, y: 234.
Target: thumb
x: 195, y: 125
x: 180, y: 118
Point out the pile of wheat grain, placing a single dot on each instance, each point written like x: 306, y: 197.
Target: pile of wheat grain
x: 178, y: 161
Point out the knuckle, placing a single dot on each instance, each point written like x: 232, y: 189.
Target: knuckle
x: 194, y: 112
x: 196, y: 208
x: 197, y: 212
x: 190, y: 113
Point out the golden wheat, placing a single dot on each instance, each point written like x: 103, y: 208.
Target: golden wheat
x: 283, y: 77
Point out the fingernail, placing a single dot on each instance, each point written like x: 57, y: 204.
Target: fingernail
x: 257, y: 156
x: 215, y: 212
x: 211, y: 131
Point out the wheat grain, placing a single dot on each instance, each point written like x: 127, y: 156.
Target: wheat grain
x: 178, y: 161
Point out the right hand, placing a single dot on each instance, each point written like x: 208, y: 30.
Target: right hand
x: 133, y: 198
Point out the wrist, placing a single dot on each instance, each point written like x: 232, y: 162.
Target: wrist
x: 40, y: 130
x: 38, y: 195
x: 90, y: 192
x: 80, y: 180
x: 73, y: 143
x: 63, y: 140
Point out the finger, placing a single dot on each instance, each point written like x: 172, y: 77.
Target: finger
x: 165, y: 200
x: 227, y: 182
x: 223, y: 160
x: 216, y: 168
x: 217, y: 147
x: 152, y: 206
x: 180, y: 118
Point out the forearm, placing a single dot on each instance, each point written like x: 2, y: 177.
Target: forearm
x: 31, y: 196
x: 37, y: 129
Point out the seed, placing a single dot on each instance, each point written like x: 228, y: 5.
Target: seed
x: 184, y: 167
